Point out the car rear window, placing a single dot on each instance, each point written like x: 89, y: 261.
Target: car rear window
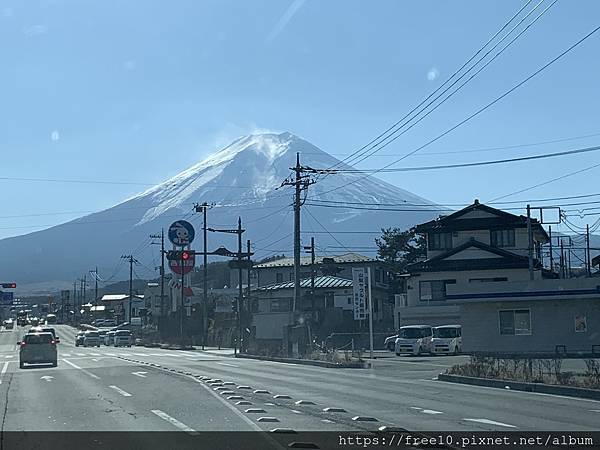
x: 123, y: 333
x: 49, y: 330
x: 92, y: 334
x: 42, y: 338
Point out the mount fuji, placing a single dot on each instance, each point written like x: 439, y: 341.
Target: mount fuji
x: 243, y: 179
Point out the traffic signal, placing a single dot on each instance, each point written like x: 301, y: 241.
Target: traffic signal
x: 178, y: 255
x: 9, y: 285
x: 234, y: 306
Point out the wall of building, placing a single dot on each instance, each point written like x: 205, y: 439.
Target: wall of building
x: 552, y: 324
x: 462, y: 278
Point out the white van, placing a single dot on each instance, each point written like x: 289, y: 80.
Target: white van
x: 414, y: 340
x: 446, y: 340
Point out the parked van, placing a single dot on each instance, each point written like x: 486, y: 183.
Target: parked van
x: 414, y: 340
x: 446, y: 340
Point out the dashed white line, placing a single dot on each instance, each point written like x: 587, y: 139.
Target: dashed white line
x: 173, y: 421
x: 140, y: 354
x: 111, y: 354
x: 8, y: 356
x: 3, y: 371
x: 139, y: 374
x: 491, y: 422
x: 226, y: 364
x: 120, y: 391
x: 75, y: 366
x: 67, y: 354
x: 80, y: 354
x: 431, y: 411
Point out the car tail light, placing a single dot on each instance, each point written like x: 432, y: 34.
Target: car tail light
x: 53, y: 342
x: 22, y: 343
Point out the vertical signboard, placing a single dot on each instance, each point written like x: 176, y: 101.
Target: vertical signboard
x: 359, y: 286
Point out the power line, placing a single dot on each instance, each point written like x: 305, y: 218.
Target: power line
x: 552, y: 180
x: 322, y: 226
x: 474, y: 164
x: 484, y: 108
x: 381, y: 146
x: 375, y: 141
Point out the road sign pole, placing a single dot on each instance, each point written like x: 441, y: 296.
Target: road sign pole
x: 370, y: 313
x: 182, y: 293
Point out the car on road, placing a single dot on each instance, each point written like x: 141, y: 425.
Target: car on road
x: 79, y: 338
x: 98, y: 322
x: 390, y: 342
x: 91, y: 339
x: 123, y: 338
x: 51, y: 330
x: 38, y: 348
x: 50, y: 319
x: 34, y: 321
x: 446, y: 340
x: 110, y: 323
x: 109, y: 338
x: 9, y: 324
x: 414, y: 340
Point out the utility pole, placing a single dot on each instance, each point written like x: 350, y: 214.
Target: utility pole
x: 530, y: 245
x: 203, y: 208
x: 83, y: 283
x: 551, y: 252
x: 75, y: 297
x: 311, y: 249
x: 131, y: 260
x: 298, y: 187
x: 240, y: 289
x: 587, y: 251
x: 161, y: 236
x: 95, y: 272
x: 562, y: 260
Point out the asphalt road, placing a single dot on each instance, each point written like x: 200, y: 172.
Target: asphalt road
x: 149, y: 389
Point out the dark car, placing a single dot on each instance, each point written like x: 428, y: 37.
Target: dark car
x: 38, y: 348
x: 53, y: 331
x: 79, y: 338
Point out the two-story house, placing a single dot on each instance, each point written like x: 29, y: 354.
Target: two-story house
x: 478, y: 244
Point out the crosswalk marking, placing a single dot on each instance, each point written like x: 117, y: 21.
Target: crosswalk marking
x: 8, y: 356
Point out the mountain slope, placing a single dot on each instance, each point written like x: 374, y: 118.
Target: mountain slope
x: 242, y: 179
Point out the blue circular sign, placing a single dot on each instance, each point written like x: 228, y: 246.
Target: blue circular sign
x: 181, y: 233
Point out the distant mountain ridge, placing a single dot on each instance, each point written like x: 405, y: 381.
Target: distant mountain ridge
x: 243, y: 179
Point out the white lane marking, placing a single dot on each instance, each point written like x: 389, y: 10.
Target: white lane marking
x: 80, y: 354
x: 94, y: 354
x: 3, y: 371
x: 228, y: 365
x: 416, y: 407
x: 491, y: 422
x: 8, y: 356
x: 173, y: 421
x: 228, y: 405
x: 295, y: 411
x: 95, y: 359
x: 431, y: 411
x: 423, y: 363
x: 67, y: 354
x: 595, y: 410
x: 139, y: 374
x: 47, y: 378
x: 124, y: 354
x: 111, y: 354
x: 75, y: 366
x: 140, y: 354
x: 458, y: 386
x: 120, y: 391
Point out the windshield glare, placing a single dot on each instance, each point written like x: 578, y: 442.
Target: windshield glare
x: 445, y: 332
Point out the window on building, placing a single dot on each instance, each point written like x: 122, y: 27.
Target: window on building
x: 502, y: 238
x: 329, y: 303
x: 280, y: 305
x: 515, y: 322
x: 487, y: 280
x: 254, y: 305
x: 434, y: 290
x: 378, y: 276
x: 279, y: 277
x: 440, y: 241
x: 349, y: 300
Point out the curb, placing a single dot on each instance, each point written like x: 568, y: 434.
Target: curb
x: 308, y: 362
x: 569, y: 391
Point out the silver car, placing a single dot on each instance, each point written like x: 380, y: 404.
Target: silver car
x: 38, y: 348
x: 91, y: 339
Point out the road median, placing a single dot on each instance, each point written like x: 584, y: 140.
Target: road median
x: 310, y: 362
x: 542, y: 388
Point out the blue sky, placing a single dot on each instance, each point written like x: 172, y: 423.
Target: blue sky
x: 140, y: 90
